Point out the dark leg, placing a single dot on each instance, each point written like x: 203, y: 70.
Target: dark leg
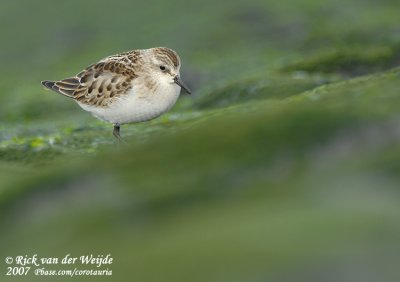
x: 116, y: 133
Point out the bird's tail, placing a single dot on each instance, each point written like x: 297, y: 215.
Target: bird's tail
x: 48, y: 84
x: 64, y: 87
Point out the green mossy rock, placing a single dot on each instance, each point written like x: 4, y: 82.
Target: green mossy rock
x: 283, y: 166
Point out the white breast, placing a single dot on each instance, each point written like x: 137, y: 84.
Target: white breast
x: 137, y: 105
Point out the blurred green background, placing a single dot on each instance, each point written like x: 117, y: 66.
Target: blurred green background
x: 283, y: 165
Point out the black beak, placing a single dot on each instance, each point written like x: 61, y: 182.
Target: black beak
x: 180, y: 82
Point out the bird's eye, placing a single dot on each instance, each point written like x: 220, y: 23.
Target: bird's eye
x: 163, y: 68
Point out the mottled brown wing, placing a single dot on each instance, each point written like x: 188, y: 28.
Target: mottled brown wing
x: 99, y: 84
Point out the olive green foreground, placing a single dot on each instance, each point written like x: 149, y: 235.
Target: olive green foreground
x: 284, y: 165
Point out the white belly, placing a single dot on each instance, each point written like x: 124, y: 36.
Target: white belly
x: 136, y: 108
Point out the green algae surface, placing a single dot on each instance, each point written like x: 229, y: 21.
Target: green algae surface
x: 284, y: 164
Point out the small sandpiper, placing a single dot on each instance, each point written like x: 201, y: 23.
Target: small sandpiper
x: 130, y: 87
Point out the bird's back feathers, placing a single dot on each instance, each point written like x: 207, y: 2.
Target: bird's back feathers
x: 101, y: 83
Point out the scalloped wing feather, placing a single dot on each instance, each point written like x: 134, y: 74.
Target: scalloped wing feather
x: 99, y: 84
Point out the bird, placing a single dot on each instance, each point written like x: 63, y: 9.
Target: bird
x: 129, y: 87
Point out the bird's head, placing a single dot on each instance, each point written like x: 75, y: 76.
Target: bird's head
x: 165, y: 64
